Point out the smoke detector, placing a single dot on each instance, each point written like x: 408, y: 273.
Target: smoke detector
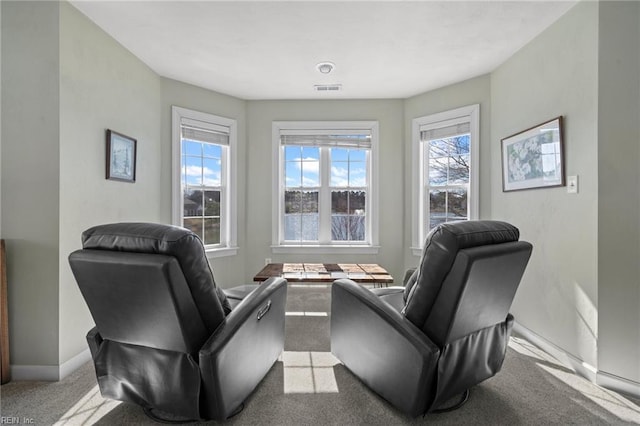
x: 325, y: 67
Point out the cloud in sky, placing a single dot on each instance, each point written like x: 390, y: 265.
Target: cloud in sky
x: 209, y: 177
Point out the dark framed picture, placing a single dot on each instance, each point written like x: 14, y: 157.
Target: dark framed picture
x: 121, y: 157
x: 534, y: 158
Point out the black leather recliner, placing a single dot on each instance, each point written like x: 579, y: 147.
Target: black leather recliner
x: 166, y: 337
x: 447, y: 330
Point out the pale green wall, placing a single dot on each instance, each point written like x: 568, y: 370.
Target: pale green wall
x: 619, y: 189
x: 102, y: 86
x: 64, y: 82
x: 389, y: 115
x: 469, y: 92
x: 30, y: 183
x: 555, y: 74
x: 228, y: 271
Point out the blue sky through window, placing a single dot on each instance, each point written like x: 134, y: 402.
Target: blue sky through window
x: 302, y: 166
x: 202, y: 164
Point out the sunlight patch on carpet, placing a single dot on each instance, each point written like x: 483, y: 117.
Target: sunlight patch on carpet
x: 88, y: 410
x: 309, y: 372
x: 614, y: 403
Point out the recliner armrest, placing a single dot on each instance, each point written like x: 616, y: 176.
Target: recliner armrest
x: 242, y: 349
x: 382, y: 347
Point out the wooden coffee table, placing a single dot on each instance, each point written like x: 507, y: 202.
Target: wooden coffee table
x: 363, y: 273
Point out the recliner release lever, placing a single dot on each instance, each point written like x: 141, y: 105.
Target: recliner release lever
x: 263, y: 311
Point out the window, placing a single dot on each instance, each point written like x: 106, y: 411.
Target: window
x: 204, y: 177
x: 445, y: 153
x: 325, y: 187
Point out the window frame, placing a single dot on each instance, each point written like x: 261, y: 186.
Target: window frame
x: 279, y: 245
x: 228, y: 208
x: 419, y: 211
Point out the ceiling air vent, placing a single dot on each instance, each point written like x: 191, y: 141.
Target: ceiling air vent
x: 327, y: 87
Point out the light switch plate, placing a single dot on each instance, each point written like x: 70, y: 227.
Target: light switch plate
x: 572, y: 184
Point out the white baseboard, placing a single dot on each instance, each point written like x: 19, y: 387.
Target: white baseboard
x: 74, y: 363
x: 574, y: 363
x: 618, y: 384
x: 589, y: 372
x: 49, y: 373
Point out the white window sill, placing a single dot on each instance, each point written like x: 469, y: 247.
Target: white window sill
x: 316, y: 249
x: 221, y: 252
x: 417, y: 251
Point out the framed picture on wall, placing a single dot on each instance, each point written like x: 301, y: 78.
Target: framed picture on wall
x: 121, y: 157
x: 534, y: 158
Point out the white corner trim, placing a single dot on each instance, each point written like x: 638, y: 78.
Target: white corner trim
x: 618, y: 384
x: 570, y: 361
x: 49, y: 373
x: 74, y: 363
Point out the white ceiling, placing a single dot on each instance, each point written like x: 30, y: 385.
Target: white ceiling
x: 269, y: 49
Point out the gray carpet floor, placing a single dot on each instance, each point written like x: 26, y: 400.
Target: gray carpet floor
x: 307, y: 386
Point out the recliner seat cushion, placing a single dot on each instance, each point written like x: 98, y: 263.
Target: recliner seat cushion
x: 174, y: 241
x: 440, y: 249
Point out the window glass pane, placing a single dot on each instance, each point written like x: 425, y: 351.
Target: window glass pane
x: 292, y: 153
x: 339, y: 173
x: 309, y: 226
x: 192, y: 202
x: 437, y: 207
x: 212, y: 203
x: 292, y: 202
x: 212, y: 150
x: 311, y: 153
x: 211, y: 172
x: 457, y: 205
x: 194, y: 225
x: 191, y: 148
x: 357, y: 202
x: 348, y: 227
x: 438, y: 171
x: 356, y: 228
x: 438, y: 148
x: 461, y: 145
x: 301, y: 216
x: 302, y: 166
x: 357, y: 155
x: 309, y: 202
x: 193, y: 170
x: 339, y: 201
x: 339, y: 227
x: 459, y: 169
x: 348, y: 218
x: 211, y: 230
x: 339, y: 154
x: 310, y: 172
x: 292, y: 174
x: 357, y: 173
x: 292, y: 227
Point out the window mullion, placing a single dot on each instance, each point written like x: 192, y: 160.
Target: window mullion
x: 224, y: 212
x: 324, y: 197
x: 426, y: 205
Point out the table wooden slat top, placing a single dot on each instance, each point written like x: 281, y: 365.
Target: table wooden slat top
x: 325, y: 272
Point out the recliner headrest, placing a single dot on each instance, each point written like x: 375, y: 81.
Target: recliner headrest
x: 440, y: 249
x: 174, y: 241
